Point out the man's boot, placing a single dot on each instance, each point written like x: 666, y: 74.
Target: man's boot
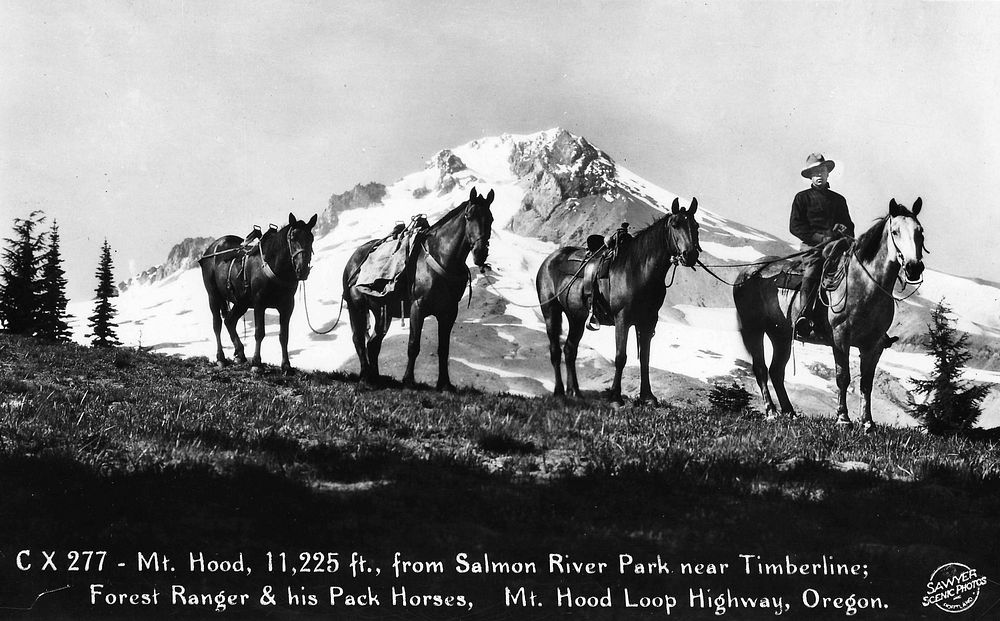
x: 803, y: 322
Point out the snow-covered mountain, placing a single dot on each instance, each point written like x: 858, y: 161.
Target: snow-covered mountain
x: 552, y: 188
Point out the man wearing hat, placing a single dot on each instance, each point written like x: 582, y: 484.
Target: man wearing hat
x: 819, y: 215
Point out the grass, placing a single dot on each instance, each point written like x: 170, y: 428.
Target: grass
x: 127, y: 450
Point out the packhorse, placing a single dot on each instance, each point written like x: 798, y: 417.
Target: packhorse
x: 433, y: 281
x: 636, y: 289
x: 860, y: 309
x: 261, y: 276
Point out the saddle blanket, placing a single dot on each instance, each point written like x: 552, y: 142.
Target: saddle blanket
x: 380, y: 272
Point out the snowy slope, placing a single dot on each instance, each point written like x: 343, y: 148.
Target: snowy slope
x: 500, y: 343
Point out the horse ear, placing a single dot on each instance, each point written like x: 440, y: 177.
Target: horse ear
x: 694, y: 206
x: 893, y: 207
x: 291, y: 218
x: 917, y: 204
x: 472, y: 194
x: 491, y: 196
x: 675, y: 206
x: 312, y: 221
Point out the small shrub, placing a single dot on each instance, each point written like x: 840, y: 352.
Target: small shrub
x: 502, y: 441
x: 731, y: 398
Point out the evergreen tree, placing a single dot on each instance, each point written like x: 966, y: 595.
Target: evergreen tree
x: 951, y: 405
x: 52, y: 297
x: 101, y: 322
x: 19, y: 290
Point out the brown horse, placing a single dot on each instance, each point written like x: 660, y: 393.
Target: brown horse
x: 434, y: 280
x: 860, y: 308
x: 264, y: 276
x: 637, y: 288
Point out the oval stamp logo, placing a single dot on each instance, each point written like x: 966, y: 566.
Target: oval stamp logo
x: 953, y: 587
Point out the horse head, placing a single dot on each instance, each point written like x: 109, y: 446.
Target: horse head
x: 684, y: 232
x: 478, y: 225
x: 300, y: 245
x: 907, y: 237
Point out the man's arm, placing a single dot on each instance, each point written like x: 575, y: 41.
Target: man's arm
x: 798, y: 224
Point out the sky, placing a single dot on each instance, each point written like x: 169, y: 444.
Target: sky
x: 148, y: 122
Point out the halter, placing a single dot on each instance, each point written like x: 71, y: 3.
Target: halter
x: 269, y: 272
x: 902, y: 261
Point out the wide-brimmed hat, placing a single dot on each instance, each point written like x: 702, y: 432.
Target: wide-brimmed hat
x: 814, y: 161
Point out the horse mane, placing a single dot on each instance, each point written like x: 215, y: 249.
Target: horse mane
x: 869, y: 242
x: 647, y: 241
x: 448, y: 217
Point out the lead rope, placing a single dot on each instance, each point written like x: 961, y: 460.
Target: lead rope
x: 305, y: 305
x: 569, y: 283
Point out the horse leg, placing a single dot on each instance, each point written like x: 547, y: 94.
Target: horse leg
x: 753, y: 340
x: 374, y: 345
x: 216, y: 307
x: 869, y: 359
x: 577, y: 326
x: 621, y: 356
x: 359, y: 333
x: 413, y: 345
x: 258, y: 337
x: 284, y: 316
x: 232, y: 317
x: 553, y: 329
x: 841, y: 356
x: 644, y: 334
x: 782, y: 346
x: 445, y: 324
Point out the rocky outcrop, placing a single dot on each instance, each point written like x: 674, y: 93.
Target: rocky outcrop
x: 182, y: 257
x: 570, y: 190
x: 356, y: 198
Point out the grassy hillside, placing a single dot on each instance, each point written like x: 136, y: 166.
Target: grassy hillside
x: 127, y: 452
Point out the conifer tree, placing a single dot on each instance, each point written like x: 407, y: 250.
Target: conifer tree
x: 102, y: 321
x: 951, y: 405
x: 19, y: 272
x: 52, y: 301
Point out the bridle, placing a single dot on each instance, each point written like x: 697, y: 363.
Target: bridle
x: 691, y: 227
x: 901, y: 259
x: 270, y: 273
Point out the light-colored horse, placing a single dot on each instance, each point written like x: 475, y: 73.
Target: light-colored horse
x: 860, y: 310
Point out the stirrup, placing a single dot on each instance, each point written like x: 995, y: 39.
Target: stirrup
x: 592, y: 323
x: 803, y: 326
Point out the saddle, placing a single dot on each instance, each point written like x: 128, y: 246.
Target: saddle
x: 787, y: 275
x: 382, y: 270
x: 597, y: 285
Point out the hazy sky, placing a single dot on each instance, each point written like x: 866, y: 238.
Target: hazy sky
x: 148, y: 122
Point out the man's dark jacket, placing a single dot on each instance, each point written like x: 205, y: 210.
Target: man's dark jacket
x: 815, y: 211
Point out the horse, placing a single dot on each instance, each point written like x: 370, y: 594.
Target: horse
x: 262, y: 276
x: 432, y: 283
x: 860, y: 309
x: 636, y: 275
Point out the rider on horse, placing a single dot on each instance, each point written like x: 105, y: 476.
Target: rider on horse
x: 819, y: 215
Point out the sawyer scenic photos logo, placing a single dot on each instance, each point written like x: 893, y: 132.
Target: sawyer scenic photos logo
x: 954, y: 587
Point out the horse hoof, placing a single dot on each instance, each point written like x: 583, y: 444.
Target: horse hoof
x: 288, y: 371
x: 868, y: 427
x: 407, y: 383
x: 449, y: 387
x: 222, y: 363
x: 844, y: 422
x: 256, y: 369
x: 771, y: 416
x: 790, y: 414
x: 649, y: 401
